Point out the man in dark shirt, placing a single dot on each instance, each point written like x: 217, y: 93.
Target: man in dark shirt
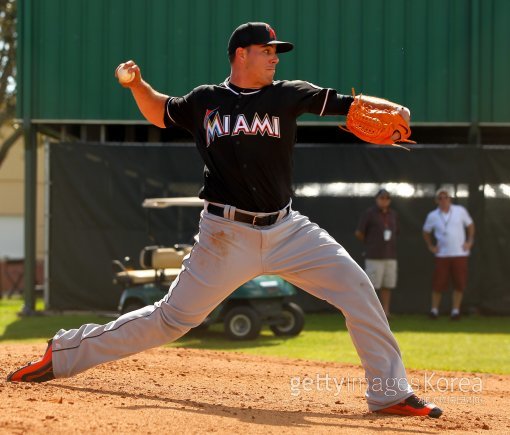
x: 378, y: 229
x: 245, y: 130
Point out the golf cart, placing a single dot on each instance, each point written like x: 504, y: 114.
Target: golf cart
x: 261, y: 301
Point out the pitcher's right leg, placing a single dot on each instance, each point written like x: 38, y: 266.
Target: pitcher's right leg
x: 225, y: 256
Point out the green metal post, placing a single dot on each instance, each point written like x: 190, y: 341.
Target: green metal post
x: 30, y: 218
x: 30, y: 135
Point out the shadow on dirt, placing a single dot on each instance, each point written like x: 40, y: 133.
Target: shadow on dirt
x: 253, y: 415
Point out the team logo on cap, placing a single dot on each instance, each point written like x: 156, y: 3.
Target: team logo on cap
x: 272, y: 33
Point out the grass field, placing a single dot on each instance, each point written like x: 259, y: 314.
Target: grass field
x: 475, y: 344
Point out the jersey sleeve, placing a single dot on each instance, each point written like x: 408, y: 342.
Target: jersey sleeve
x: 310, y: 98
x: 466, y: 218
x: 179, y: 111
x: 428, y: 226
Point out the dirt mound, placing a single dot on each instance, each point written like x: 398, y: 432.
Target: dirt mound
x: 170, y: 390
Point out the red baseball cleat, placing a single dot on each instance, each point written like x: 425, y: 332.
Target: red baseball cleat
x: 413, y: 406
x: 38, y: 371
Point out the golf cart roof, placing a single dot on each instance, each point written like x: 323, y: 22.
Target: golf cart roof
x: 191, y: 201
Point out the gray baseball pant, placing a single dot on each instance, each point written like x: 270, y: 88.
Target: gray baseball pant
x: 226, y: 255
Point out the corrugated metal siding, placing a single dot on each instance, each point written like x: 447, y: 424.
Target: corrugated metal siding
x: 415, y: 52
x: 495, y: 61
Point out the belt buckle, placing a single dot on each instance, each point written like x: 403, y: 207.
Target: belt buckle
x: 265, y: 220
x: 254, y: 222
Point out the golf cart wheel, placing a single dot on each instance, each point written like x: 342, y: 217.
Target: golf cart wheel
x: 132, y: 306
x: 242, y: 323
x: 293, y: 321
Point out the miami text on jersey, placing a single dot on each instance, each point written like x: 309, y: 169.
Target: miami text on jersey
x: 217, y: 125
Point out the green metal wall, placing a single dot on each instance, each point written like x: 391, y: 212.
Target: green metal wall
x: 445, y: 59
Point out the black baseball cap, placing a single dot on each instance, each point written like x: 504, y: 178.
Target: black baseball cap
x: 382, y: 192
x: 256, y: 34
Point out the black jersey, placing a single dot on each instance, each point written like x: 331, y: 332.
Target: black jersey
x: 246, y: 137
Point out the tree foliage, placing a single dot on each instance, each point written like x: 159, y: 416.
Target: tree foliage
x: 7, y: 60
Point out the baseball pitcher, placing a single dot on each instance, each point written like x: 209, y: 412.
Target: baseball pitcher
x: 245, y: 131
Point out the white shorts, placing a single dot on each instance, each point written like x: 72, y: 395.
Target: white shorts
x: 382, y: 273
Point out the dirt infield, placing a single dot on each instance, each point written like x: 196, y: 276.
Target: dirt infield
x: 170, y: 390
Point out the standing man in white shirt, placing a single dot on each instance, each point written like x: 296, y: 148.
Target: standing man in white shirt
x: 454, y: 233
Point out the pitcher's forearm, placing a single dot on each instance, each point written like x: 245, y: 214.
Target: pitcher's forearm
x: 150, y: 102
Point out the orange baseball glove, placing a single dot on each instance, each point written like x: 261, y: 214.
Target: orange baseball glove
x: 377, y: 123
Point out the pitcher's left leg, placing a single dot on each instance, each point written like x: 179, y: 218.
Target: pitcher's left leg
x: 313, y: 261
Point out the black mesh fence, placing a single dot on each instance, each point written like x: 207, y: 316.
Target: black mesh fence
x: 96, y: 214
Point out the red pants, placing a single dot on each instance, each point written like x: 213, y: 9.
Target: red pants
x: 455, y: 268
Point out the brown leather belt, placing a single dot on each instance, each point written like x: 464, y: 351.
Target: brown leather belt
x: 259, y: 221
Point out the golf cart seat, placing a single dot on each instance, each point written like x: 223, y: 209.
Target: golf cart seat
x: 157, y: 257
x: 159, y: 264
x: 132, y: 277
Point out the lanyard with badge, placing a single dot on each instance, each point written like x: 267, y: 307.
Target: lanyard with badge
x: 387, y: 231
x: 445, y: 218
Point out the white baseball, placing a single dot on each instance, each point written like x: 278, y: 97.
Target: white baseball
x: 124, y: 75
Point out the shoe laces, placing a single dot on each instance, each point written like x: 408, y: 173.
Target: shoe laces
x: 415, y: 401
